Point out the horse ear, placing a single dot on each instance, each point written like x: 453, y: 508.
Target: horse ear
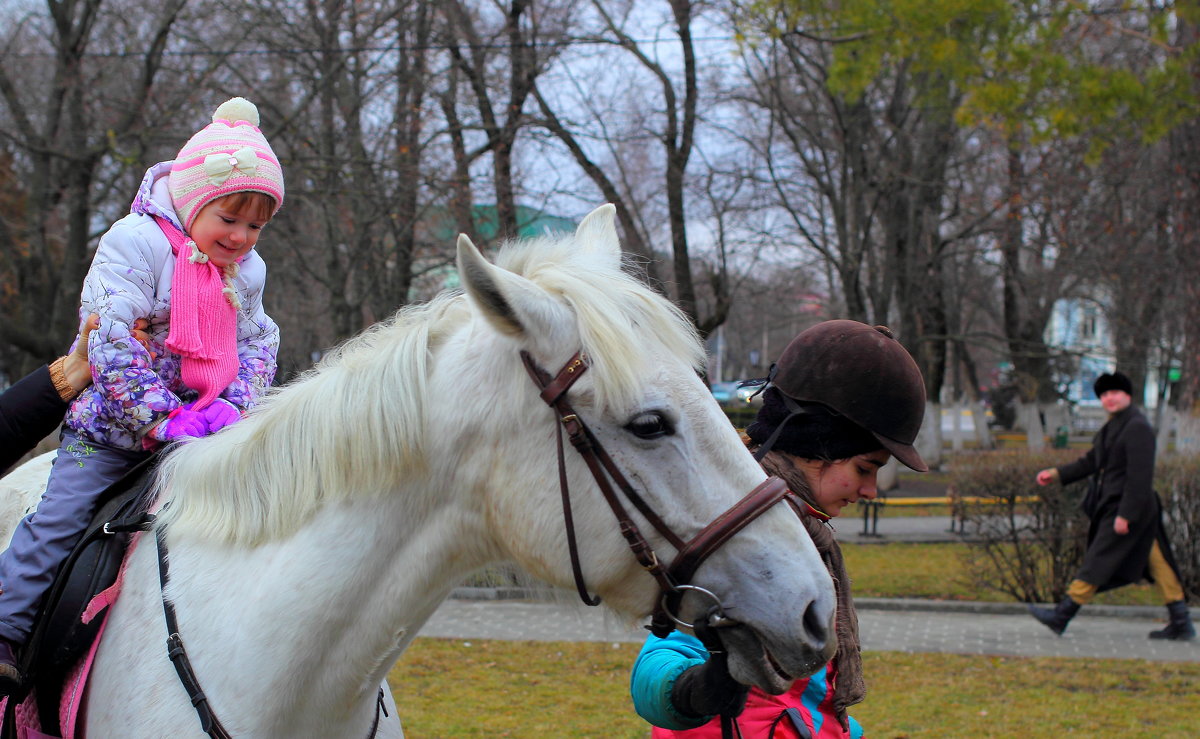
x: 513, y: 304
x: 598, y: 230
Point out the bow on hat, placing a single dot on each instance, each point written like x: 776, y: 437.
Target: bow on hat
x: 219, y: 167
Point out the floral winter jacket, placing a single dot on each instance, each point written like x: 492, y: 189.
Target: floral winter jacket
x: 130, y: 278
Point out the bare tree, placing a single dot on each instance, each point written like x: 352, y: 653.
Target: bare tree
x: 669, y: 122
x: 1185, y: 147
x: 346, y: 86
x: 864, y: 177
x: 66, y: 109
x: 499, y: 63
x: 1132, y: 252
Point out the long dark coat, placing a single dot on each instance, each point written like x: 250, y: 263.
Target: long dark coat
x: 29, y: 411
x: 1122, y: 462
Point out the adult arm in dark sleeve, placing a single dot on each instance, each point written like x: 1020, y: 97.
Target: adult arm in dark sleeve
x: 29, y: 411
x: 1079, y: 469
x: 33, y: 407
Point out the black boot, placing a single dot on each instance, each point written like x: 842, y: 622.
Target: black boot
x: 1179, y: 625
x: 10, y: 674
x: 1057, y: 619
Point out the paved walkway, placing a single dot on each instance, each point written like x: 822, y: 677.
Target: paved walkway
x: 886, y: 624
x: 958, y: 632
x: 911, y: 529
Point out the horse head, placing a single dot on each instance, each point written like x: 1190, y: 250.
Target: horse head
x: 644, y: 403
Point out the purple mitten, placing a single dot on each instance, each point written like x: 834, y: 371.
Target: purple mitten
x: 219, y: 414
x: 180, y: 423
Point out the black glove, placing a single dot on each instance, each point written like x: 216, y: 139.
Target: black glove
x: 709, y: 689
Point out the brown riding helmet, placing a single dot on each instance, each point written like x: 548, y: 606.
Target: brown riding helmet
x: 862, y: 373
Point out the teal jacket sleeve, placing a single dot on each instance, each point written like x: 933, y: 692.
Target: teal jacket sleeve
x: 658, y: 665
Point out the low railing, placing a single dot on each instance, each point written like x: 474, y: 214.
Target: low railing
x: 954, y: 502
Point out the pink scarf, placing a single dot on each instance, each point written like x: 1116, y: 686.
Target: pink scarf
x: 203, y: 321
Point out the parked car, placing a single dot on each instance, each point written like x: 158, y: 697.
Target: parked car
x: 724, y: 392
x: 728, y: 393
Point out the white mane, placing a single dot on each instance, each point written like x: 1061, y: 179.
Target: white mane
x: 354, y: 424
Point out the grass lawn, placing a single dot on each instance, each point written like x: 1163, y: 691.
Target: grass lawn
x: 935, y: 571
x: 452, y: 688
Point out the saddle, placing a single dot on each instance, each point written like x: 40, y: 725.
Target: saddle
x: 60, y: 638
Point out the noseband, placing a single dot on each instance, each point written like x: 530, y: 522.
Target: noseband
x: 673, y: 580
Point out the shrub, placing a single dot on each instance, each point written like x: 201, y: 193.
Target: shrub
x: 1031, y: 539
x: 1031, y: 549
x: 1177, y: 479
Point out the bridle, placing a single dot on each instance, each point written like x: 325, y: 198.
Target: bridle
x: 673, y: 580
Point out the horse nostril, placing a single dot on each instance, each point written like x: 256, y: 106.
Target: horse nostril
x: 814, y: 627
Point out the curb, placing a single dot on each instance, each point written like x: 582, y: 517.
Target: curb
x: 917, y: 605
x: 997, y: 609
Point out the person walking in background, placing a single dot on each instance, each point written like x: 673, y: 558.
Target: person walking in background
x: 1126, y: 540
x: 842, y: 399
x: 184, y: 258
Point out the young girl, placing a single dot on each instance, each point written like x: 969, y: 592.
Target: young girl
x: 843, y: 399
x: 183, y: 258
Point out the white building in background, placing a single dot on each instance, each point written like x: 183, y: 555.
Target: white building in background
x: 1078, y: 327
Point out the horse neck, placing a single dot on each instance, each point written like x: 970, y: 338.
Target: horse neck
x: 351, y: 589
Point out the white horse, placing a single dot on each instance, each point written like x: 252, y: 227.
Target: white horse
x: 309, y: 542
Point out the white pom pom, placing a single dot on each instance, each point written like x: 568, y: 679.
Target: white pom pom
x: 230, y: 292
x: 197, y: 256
x: 237, y: 109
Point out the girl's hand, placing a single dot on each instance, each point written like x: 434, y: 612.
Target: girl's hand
x: 179, y: 424
x: 219, y: 414
x: 138, y: 329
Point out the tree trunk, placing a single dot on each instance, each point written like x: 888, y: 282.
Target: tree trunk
x: 1185, y: 144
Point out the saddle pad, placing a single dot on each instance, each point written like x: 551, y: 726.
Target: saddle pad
x: 71, y: 700
x: 73, y: 689
x: 26, y: 713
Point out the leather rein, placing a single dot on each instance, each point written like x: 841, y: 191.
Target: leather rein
x: 209, y: 723
x: 673, y: 580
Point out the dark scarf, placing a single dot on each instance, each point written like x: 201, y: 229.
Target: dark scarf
x: 850, y: 687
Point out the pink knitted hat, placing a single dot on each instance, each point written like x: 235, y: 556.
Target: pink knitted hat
x: 227, y: 156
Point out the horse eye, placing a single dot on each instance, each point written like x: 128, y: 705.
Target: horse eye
x: 650, y: 425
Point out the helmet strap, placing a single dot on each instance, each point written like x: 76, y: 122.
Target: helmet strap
x: 794, y: 408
